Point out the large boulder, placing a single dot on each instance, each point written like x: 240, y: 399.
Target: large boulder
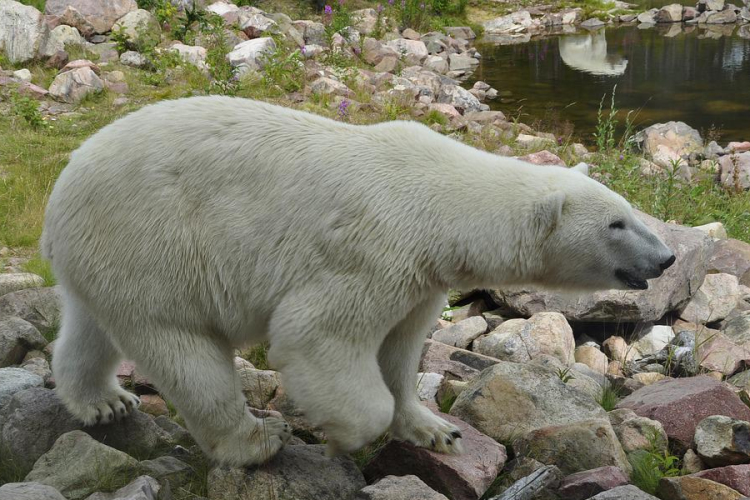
x: 459, y: 98
x: 17, y: 337
x: 670, y: 14
x: 730, y: 256
x: 301, y: 471
x: 575, y: 447
x: 250, y: 55
x: 511, y: 399
x: 714, y: 300
x: 29, y: 491
x: 676, y: 136
x: 13, y: 380
x: 38, y: 306
x: 583, y: 485
x: 671, y: 291
x: 463, y: 333
x: 22, y: 31
x: 76, y: 464
x: 60, y: 39
x: 694, y: 488
x: 460, y: 477
x: 89, y: 16
x: 139, y: 25
x: 12, y: 282
x: 736, y: 477
x: 721, y: 441
x: 681, y: 404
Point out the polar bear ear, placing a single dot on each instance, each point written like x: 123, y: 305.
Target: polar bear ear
x: 548, y: 211
x: 582, y: 167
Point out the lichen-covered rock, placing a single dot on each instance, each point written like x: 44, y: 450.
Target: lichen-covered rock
x: 721, y: 441
x: 29, y: 491
x: 575, y: 447
x: 509, y: 399
x: 407, y: 487
x: 76, y: 463
x: 23, y: 31
x: 694, y: 488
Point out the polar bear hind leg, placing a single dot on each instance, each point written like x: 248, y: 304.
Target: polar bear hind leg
x: 85, y: 363
x: 399, y: 360
x: 195, y: 372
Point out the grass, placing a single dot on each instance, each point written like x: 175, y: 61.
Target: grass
x: 608, y: 397
x: 258, y: 356
x: 364, y: 455
x: 650, y: 466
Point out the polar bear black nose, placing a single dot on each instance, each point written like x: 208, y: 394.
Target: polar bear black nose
x: 664, y: 265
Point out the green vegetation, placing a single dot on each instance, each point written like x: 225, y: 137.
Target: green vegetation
x: 649, y: 466
x: 608, y: 397
x: 258, y: 356
x: 565, y: 375
x: 39, y: 5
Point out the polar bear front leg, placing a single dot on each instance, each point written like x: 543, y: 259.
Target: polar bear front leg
x: 399, y: 361
x: 195, y: 371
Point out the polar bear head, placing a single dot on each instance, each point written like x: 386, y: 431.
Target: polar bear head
x: 592, y: 238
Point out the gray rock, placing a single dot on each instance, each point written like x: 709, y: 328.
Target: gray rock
x: 459, y: 98
x: 38, y: 306
x: 399, y: 488
x: 14, y: 380
x: 692, y: 248
x: 714, y: 300
x: 670, y: 14
x: 61, y: 38
x: 11, y: 282
x: 637, y: 433
x: 17, y: 337
x: 532, y: 486
x: 250, y: 55
x: 735, y: 169
x: 511, y: 399
x: 628, y: 492
x: 89, y: 16
x: 142, y: 488
x: 575, y: 447
x: 72, y: 86
x: 329, y: 86
x: 728, y: 16
x: 648, y: 17
x: 23, y: 31
x: 463, y: 333
x: 29, y: 491
x: 178, y: 433
x: 257, y: 25
x: 511, y: 341
x: 137, y: 434
x: 38, y: 366
x: 462, y: 62
x: 297, y: 472
x: 721, y: 441
x: 677, y: 136
x: 133, y: 59
x: 585, y: 484
x: 413, y: 51
x: 592, y: 23
x: 737, y: 328
x: 312, y: 32
x: 76, y: 463
x: 139, y: 25
x: 167, y: 468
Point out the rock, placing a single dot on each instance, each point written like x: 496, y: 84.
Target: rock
x: 29, y: 491
x: 648, y: 17
x: 134, y: 59
x: 136, y: 434
x: 730, y: 256
x: 639, y: 433
x: 329, y: 86
x: 460, y: 477
x: 511, y: 341
x: 76, y: 463
x: 670, y: 14
x: 169, y: 469
x: 583, y: 485
x: 257, y: 25
x: 436, y: 64
x: 463, y: 333
x: 59, y: 39
x: 676, y: 136
x: 737, y: 328
x: 735, y: 170
x: 142, y: 488
x: 694, y: 488
x: 680, y: 404
x: 691, y: 463
x: 459, y: 98
x: 24, y: 75
x: 618, y: 350
x: 139, y: 25
x: 228, y: 11
x: 715, y: 230
x: 17, y: 337
x: 460, y: 32
x: 575, y: 447
x: 653, y: 340
x: 648, y: 378
x: 533, y: 486
x: 509, y: 399
x: 592, y: 23
x: 38, y: 366
x: 738, y: 147
x: 592, y: 357
x: 736, y: 477
x: 671, y: 291
x: 72, y: 86
x: 312, y: 32
x: 452, y: 362
x: 300, y: 471
x: 175, y: 430
x: 399, y: 488
x: 413, y: 51
x: 724, y: 17
x: 462, y: 62
x: 22, y: 31
x: 259, y: 386
x: 365, y: 20
x: 543, y: 158
x: 428, y: 385
x: 512, y: 23
x: 714, y: 300
x: 13, y: 380
x: 89, y: 16
x: 714, y: 4
x: 716, y: 352
x: 628, y: 492
x: 250, y: 55
x: 721, y: 441
x: 154, y: 405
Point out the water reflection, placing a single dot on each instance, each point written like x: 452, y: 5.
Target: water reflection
x: 588, y: 53
x: 694, y: 74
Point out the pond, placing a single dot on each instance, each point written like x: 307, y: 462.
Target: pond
x: 672, y: 72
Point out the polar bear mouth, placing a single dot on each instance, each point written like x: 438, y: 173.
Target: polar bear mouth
x: 630, y: 280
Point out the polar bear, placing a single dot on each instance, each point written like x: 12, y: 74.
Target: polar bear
x: 194, y: 226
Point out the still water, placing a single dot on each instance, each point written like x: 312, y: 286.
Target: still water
x: 701, y: 77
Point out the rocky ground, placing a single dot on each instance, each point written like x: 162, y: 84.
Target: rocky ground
x: 617, y: 395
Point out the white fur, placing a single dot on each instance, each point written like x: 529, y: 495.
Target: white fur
x: 195, y: 226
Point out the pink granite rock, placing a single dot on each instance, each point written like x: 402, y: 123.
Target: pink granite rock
x: 543, y: 158
x: 735, y: 476
x: 586, y: 484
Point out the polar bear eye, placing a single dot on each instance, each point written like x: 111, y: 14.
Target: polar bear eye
x: 617, y: 225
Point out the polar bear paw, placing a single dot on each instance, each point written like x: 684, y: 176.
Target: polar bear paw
x: 254, y: 445
x: 423, y: 428
x: 116, y: 405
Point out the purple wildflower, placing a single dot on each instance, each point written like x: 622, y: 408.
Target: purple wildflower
x: 390, y: 2
x: 343, y: 105
x: 421, y: 6
x: 559, y: 141
x: 328, y: 10
x: 380, y: 7
x: 303, y: 50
